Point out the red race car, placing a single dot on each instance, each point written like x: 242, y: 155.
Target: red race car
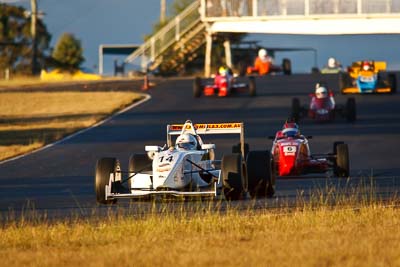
x: 224, y: 84
x: 291, y: 156
x: 322, y: 107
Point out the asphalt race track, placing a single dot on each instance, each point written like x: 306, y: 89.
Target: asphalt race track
x: 59, y: 180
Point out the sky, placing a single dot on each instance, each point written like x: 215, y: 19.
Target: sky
x: 97, y: 22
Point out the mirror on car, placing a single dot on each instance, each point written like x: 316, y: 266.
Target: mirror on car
x: 152, y: 148
x: 208, y: 146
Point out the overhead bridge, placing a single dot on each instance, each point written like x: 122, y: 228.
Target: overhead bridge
x: 322, y: 17
x: 179, y: 41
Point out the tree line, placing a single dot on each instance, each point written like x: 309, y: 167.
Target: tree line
x: 16, y: 44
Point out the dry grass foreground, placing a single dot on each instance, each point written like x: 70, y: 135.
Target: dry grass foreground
x: 29, y: 120
x: 368, y: 236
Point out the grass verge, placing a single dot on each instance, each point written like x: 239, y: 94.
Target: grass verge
x: 324, y: 236
x: 29, y: 120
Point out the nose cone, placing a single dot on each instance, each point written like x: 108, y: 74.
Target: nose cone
x: 287, y: 165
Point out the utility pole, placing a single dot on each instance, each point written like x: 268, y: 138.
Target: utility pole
x: 34, y: 37
x: 163, y: 11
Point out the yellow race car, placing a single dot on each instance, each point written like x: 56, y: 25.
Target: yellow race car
x: 367, y: 77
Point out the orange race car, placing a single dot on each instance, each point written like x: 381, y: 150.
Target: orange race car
x: 367, y: 77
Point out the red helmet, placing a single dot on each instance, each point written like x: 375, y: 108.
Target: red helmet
x: 366, y: 65
x: 290, y: 129
x: 290, y: 124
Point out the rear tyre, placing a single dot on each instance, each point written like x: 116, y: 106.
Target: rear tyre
x: 233, y: 181
x: 287, y: 66
x: 295, y: 113
x: 392, y: 83
x: 242, y: 66
x: 252, y: 86
x: 335, y: 144
x: 351, y: 114
x: 139, y: 163
x: 342, y: 161
x: 345, y: 81
x: 197, y: 87
x: 237, y: 150
x: 104, y: 167
x: 259, y: 174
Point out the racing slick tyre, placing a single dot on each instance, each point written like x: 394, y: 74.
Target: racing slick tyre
x: 242, y: 66
x: 233, y: 180
x: 197, y: 87
x: 236, y: 149
x: 342, y: 168
x: 335, y: 144
x: 104, y: 167
x: 392, y: 83
x: 295, y: 113
x: 351, y: 114
x: 286, y: 66
x: 345, y: 81
x: 252, y: 86
x: 139, y: 163
x: 259, y: 174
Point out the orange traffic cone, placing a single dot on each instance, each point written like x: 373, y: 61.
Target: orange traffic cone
x: 146, y: 85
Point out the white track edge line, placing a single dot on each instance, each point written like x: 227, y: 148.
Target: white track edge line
x: 146, y: 98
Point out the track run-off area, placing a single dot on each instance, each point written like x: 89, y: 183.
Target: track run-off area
x: 59, y: 180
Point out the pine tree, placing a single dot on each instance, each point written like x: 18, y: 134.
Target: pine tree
x: 68, y: 52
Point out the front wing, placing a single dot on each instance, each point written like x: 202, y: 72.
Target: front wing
x: 139, y: 193
x: 356, y: 90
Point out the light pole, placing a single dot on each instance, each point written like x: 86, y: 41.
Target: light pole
x: 163, y: 10
x: 33, y: 33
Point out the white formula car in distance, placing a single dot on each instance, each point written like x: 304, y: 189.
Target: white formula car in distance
x: 178, y: 172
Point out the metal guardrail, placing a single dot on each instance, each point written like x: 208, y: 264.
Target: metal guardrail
x: 213, y: 10
x: 156, y: 45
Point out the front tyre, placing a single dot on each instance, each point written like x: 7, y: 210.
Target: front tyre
x: 252, y: 86
x: 233, y: 180
x: 197, y: 87
x: 342, y: 168
x: 351, y: 114
x: 139, y: 163
x: 104, y: 167
x: 286, y: 66
x: 296, y: 109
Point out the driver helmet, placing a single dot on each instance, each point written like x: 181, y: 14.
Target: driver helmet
x: 262, y: 53
x: 222, y: 70
x: 331, y: 62
x: 291, y: 132
x: 186, y: 142
x: 290, y: 123
x: 290, y: 129
x: 366, y: 65
x: 321, y: 92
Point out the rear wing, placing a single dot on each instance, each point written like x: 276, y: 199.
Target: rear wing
x: 378, y: 65
x: 206, y: 128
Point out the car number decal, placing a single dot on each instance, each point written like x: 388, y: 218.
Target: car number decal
x: 163, y: 159
x: 289, y: 150
x: 366, y: 78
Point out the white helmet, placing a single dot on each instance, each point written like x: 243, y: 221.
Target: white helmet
x: 331, y: 62
x: 186, y: 142
x: 321, y: 92
x: 262, y: 52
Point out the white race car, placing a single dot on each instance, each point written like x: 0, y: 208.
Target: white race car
x: 187, y: 168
